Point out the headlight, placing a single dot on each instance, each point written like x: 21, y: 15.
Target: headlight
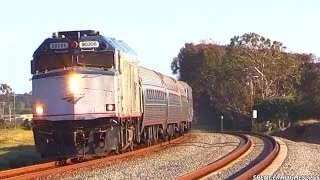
x: 74, y: 83
x: 110, y: 107
x: 39, y: 110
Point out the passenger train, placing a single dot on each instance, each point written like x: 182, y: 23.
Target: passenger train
x: 91, y: 98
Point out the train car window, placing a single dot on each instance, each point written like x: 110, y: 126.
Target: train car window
x: 103, y: 59
x: 158, y: 94
x: 53, y: 61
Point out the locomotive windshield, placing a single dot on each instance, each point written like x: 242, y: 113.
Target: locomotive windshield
x: 53, y: 61
x: 96, y: 59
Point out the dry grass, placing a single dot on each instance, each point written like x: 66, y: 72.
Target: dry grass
x: 304, y: 130
x: 306, y: 122
x: 15, y: 137
x: 17, y: 148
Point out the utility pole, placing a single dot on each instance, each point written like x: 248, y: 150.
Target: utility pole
x: 9, y: 113
x: 14, y: 110
x: 3, y: 108
x: 251, y: 103
x: 250, y: 75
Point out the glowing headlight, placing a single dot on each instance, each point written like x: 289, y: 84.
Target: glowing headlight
x: 74, y: 83
x: 39, y: 110
x: 110, y: 107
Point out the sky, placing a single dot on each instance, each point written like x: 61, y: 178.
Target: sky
x: 156, y: 30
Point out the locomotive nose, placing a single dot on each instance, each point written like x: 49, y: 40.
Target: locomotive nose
x: 74, y: 83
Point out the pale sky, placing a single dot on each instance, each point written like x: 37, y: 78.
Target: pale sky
x: 155, y: 30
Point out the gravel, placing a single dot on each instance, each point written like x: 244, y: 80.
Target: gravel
x: 247, y: 162
x: 302, y: 159
x: 200, y: 149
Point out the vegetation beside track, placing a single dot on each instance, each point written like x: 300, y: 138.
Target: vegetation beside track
x: 305, y: 131
x: 17, y: 148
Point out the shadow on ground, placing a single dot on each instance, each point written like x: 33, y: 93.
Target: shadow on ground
x: 304, y: 131
x: 18, y: 156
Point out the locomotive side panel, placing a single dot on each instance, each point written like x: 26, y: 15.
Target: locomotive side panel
x: 136, y: 106
x: 128, y: 89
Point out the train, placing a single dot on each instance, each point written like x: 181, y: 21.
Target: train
x: 92, y: 98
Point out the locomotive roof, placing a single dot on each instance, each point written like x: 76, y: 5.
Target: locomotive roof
x: 86, y: 35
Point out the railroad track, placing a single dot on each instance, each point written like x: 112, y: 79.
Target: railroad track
x: 241, y: 150
x: 238, y: 154
x: 46, y: 169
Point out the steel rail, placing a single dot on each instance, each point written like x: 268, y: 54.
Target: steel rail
x: 235, y: 154
x: 258, y: 168
x: 22, y: 170
x: 41, y: 170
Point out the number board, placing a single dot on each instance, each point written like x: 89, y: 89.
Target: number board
x: 61, y: 45
x: 89, y: 44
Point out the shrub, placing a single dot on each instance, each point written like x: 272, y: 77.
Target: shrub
x: 304, y: 110
x: 276, y: 110
x: 26, y: 124
x: 264, y: 127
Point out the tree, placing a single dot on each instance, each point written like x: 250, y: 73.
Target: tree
x: 219, y: 74
x: 23, y: 101
x: 198, y: 65
x: 311, y: 78
x: 6, y: 94
x: 281, y: 70
x: 5, y: 89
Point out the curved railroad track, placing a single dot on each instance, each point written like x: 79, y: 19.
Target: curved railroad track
x: 238, y: 154
x: 46, y: 169
x: 271, y: 151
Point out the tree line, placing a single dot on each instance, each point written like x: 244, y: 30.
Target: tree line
x: 251, y: 72
x: 9, y: 100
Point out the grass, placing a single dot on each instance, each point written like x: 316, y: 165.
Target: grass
x: 308, y: 121
x: 15, y: 137
x: 17, y: 148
